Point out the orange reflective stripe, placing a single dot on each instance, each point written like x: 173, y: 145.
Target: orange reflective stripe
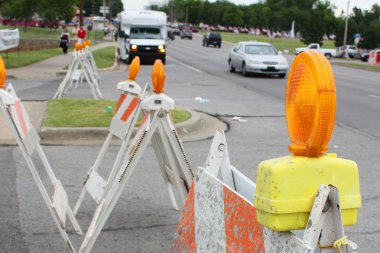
x: 20, y: 116
x: 121, y: 100
x: 130, y: 109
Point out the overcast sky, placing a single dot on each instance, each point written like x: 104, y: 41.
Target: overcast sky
x: 341, y: 4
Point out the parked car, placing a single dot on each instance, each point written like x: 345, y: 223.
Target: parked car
x: 364, y: 55
x: 186, y: 33
x: 212, y: 38
x: 350, y: 49
x: 315, y: 46
x: 257, y: 57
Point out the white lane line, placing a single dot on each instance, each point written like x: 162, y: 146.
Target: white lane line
x: 184, y: 64
x: 374, y: 96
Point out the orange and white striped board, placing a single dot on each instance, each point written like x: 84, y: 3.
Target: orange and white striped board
x: 217, y: 219
x: 126, y: 110
x: 219, y: 215
x: 18, y: 113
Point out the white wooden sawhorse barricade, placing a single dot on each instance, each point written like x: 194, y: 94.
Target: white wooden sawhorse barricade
x: 82, y: 67
x: 156, y: 127
x: 122, y: 126
x: 219, y: 215
x: 29, y: 142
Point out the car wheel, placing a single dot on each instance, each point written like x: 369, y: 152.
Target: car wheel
x: 282, y: 75
x: 232, y: 69
x: 163, y: 61
x: 328, y: 56
x: 244, y: 70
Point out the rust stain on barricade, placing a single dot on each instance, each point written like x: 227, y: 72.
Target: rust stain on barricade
x: 184, y: 241
x: 243, y: 232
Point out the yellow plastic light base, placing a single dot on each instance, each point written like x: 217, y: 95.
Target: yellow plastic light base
x: 286, y: 188
x: 310, y: 104
x: 3, y: 73
x: 134, y: 68
x: 158, y: 77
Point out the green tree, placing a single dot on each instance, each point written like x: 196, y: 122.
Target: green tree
x: 232, y: 16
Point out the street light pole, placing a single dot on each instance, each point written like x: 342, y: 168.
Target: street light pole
x: 80, y: 12
x: 346, y: 25
x: 346, y: 31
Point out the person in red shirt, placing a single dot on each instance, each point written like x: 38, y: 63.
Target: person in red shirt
x: 81, y: 34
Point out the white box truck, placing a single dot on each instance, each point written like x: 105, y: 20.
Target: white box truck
x: 142, y: 33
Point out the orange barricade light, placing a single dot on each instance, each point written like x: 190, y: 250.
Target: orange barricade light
x: 3, y: 73
x: 158, y: 77
x: 88, y: 43
x: 76, y: 46
x: 310, y: 104
x: 134, y: 68
x: 286, y: 186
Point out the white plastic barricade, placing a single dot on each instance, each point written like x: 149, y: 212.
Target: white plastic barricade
x: 156, y: 127
x: 122, y: 125
x: 219, y: 215
x: 29, y: 142
x: 82, y: 67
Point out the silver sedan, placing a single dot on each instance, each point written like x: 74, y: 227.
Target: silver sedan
x: 257, y: 57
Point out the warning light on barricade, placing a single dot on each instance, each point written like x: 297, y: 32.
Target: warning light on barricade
x: 286, y: 186
x: 76, y: 46
x: 88, y: 43
x: 134, y: 68
x: 310, y: 104
x: 130, y: 85
x: 3, y: 73
x: 158, y: 77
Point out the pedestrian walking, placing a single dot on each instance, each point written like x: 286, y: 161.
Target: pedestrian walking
x: 65, y: 38
x: 81, y: 35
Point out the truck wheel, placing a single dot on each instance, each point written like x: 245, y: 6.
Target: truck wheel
x: 328, y: 56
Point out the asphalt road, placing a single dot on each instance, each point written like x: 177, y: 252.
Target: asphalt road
x: 143, y: 220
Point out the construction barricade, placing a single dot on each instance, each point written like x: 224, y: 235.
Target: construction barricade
x: 82, y: 67
x: 29, y: 143
x: 156, y: 127
x: 219, y: 215
x: 122, y: 126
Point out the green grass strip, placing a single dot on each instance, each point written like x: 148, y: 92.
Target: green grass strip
x: 13, y: 60
x: 358, y: 66
x: 279, y: 43
x: 104, y: 57
x: 88, y: 113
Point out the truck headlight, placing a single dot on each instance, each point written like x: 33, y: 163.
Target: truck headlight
x: 161, y: 49
x: 134, y: 48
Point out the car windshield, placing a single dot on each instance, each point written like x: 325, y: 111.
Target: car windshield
x: 260, y: 49
x: 145, y: 33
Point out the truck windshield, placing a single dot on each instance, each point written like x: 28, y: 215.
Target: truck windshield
x: 145, y: 33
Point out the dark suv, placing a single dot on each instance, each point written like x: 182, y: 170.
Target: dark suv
x: 212, y: 38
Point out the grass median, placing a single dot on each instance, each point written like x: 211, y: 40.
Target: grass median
x: 15, y: 60
x: 280, y: 43
x: 88, y: 113
x: 358, y: 66
x: 104, y: 57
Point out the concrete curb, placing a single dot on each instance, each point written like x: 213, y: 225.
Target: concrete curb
x: 200, y: 126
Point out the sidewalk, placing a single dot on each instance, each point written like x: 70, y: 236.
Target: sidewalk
x: 50, y: 67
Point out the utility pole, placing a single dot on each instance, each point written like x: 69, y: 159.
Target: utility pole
x: 80, y: 12
x: 346, y: 31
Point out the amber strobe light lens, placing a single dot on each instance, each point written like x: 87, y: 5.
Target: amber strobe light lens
x: 134, y: 68
x: 158, y: 77
x: 310, y: 104
x: 3, y: 73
